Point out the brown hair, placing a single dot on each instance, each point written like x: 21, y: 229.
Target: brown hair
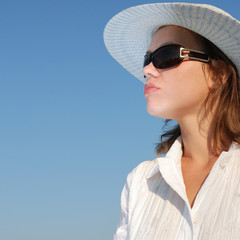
x: 224, y: 98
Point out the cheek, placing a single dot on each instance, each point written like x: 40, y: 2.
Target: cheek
x: 190, y: 81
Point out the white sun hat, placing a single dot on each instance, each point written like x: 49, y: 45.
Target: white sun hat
x: 128, y: 34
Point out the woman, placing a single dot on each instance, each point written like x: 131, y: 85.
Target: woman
x: 191, y: 70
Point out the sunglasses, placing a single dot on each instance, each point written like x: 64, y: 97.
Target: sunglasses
x: 172, y: 55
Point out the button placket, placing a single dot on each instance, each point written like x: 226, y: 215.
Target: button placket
x: 196, y: 214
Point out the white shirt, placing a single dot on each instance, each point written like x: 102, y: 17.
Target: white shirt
x: 154, y: 204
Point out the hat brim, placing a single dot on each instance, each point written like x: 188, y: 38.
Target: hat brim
x: 128, y: 34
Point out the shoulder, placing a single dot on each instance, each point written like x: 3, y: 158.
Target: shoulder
x: 144, y: 166
x: 142, y: 171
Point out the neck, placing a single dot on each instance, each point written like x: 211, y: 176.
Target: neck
x: 196, y: 139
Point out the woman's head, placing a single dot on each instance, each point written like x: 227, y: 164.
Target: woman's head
x: 128, y: 36
x: 215, y: 86
x: 194, y: 88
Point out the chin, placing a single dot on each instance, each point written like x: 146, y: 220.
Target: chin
x: 161, y: 112
x: 156, y: 112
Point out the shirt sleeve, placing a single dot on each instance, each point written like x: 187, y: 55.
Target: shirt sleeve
x: 122, y: 229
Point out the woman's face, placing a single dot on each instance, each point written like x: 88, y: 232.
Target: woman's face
x: 181, y: 90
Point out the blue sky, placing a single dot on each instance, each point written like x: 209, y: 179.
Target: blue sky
x: 73, y: 122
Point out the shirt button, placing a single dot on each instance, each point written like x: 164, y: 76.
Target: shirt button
x: 195, y: 218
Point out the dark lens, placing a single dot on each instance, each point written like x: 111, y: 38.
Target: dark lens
x: 167, y: 56
x: 147, y: 60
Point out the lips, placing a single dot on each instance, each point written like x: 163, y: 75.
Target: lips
x: 149, y: 88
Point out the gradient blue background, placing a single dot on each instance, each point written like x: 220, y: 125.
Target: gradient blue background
x: 73, y: 122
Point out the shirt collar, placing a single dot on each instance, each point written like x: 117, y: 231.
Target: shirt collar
x: 174, y: 153
x: 169, y: 167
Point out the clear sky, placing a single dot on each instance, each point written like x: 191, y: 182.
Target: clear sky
x: 73, y: 122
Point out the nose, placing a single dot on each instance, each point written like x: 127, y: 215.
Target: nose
x: 150, y: 71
